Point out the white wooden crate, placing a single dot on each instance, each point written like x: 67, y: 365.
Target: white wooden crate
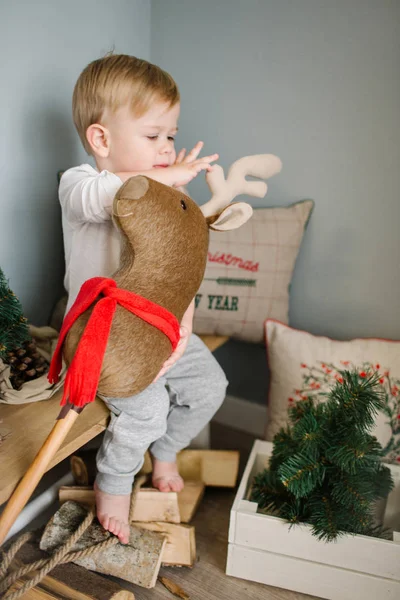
x: 262, y: 548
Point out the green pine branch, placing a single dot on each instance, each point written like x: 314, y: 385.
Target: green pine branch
x: 325, y: 467
x: 13, y: 324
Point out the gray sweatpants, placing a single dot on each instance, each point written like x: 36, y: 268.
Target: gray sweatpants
x: 165, y: 417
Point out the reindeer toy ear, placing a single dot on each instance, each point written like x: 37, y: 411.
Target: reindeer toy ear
x: 219, y: 213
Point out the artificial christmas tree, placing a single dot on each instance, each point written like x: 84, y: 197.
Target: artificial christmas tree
x: 325, y: 467
x: 13, y: 324
x: 17, y: 348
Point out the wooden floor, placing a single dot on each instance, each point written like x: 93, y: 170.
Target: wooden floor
x: 207, y: 580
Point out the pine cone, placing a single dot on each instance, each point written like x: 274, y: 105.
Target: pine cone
x: 26, y: 364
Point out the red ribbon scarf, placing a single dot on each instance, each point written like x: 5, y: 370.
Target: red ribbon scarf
x: 84, y: 371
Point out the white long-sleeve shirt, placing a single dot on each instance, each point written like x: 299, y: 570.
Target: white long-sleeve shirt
x: 91, y: 240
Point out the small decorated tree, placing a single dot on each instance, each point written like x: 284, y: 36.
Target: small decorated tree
x: 13, y: 324
x: 17, y: 349
x: 325, y: 468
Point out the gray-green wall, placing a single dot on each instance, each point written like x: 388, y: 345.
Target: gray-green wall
x: 43, y: 46
x: 318, y: 83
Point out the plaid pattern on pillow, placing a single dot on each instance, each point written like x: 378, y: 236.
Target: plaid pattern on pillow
x: 249, y: 271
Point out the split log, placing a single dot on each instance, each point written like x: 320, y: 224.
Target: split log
x: 180, y: 550
x: 150, y: 504
x: 69, y: 580
x: 189, y: 499
x: 174, y: 588
x: 138, y: 561
x: 36, y: 593
x: 74, y: 493
x: 83, y: 467
x: 217, y: 468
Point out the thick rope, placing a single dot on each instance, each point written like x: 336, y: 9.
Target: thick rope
x: 61, y: 556
x: 44, y: 566
x: 12, y: 551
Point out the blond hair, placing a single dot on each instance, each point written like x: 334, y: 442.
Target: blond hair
x: 118, y: 80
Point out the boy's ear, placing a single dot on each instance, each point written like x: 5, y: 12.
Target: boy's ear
x: 99, y: 139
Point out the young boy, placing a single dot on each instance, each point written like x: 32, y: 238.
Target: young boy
x: 126, y: 112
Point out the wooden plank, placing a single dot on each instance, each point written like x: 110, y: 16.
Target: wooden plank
x: 220, y: 468
x: 217, y: 468
x: 174, y: 588
x: 360, y: 553
x: 83, y: 467
x: 189, y: 499
x: 213, y: 467
x: 258, y: 459
x: 138, y: 561
x: 77, y: 493
x: 308, y: 577
x: 71, y: 581
x: 26, y: 427
x: 180, y: 549
x: 153, y: 505
x: 36, y: 593
x: 150, y: 505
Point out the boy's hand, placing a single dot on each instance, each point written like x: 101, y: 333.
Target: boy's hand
x: 183, y: 174
x: 193, y: 154
x: 184, y: 169
x: 179, y: 350
x: 185, y: 333
x: 189, y: 166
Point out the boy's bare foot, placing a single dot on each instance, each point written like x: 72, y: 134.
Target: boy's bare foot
x: 113, y: 513
x: 166, y: 477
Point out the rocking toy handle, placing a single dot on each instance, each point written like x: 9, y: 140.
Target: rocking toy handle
x: 28, y: 483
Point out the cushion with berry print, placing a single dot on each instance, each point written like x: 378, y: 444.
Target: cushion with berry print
x: 302, y: 365
x: 249, y: 271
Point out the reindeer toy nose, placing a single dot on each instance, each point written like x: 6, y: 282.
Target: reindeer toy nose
x: 163, y: 258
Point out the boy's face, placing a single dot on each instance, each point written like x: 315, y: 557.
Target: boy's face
x: 144, y: 143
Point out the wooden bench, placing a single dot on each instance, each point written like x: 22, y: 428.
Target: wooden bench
x: 24, y: 428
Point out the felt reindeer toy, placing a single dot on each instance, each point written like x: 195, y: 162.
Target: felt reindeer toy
x: 120, y: 331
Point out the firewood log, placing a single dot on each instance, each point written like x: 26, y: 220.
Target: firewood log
x: 138, y: 561
x: 69, y: 580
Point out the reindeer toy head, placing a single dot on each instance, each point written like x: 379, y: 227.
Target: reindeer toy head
x: 163, y: 258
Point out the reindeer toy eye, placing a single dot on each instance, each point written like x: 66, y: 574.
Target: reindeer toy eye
x: 183, y: 204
